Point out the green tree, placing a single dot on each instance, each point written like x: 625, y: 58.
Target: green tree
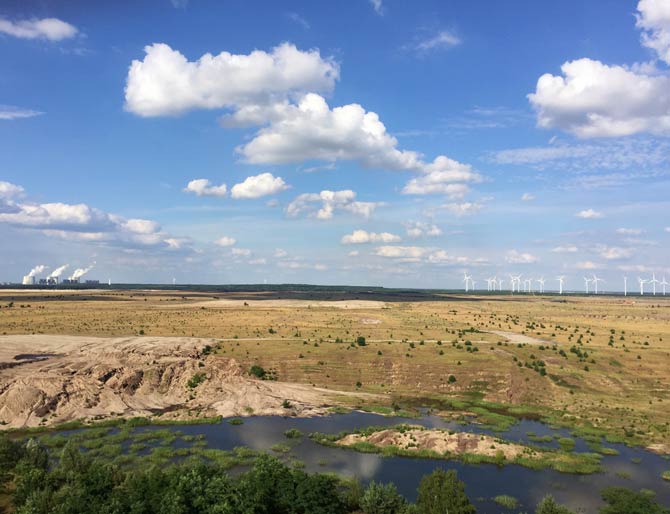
x: 442, y: 492
x: 549, y: 506
x: 382, y: 499
x: 621, y: 500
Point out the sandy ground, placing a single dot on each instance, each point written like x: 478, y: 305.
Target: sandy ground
x: 515, y: 338
x: 53, y: 379
x: 438, y: 441
x: 314, y: 304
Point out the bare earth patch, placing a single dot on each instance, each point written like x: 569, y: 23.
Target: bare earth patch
x: 53, y: 379
x: 439, y: 441
x: 304, y: 304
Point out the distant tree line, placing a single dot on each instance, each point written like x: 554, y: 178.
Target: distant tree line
x: 78, y: 484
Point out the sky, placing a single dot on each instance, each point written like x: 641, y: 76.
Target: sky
x: 361, y: 142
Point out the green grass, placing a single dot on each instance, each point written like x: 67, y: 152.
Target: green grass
x: 507, y: 501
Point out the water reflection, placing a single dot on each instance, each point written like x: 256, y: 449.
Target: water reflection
x: 483, y: 482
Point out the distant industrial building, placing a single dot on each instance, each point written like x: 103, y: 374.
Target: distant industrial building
x: 28, y: 280
x: 49, y: 281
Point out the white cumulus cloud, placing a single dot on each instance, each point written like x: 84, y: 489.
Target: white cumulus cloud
x: 324, y: 204
x: 421, y: 228
x: 259, y: 185
x: 565, y: 249
x: 52, y: 29
x: 593, y: 99
x: 165, y: 82
x: 203, y: 187
x: 225, y: 241
x: 589, y: 214
x: 362, y: 236
x: 516, y: 257
x: 463, y: 208
x: 654, y: 20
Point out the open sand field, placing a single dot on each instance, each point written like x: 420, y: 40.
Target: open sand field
x: 600, y: 361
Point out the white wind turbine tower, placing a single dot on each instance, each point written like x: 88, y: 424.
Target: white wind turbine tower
x: 488, y: 284
x: 642, y: 282
x: 494, y: 283
x: 528, y: 283
x: 541, y: 282
x: 653, y: 282
x: 500, y: 284
x: 560, y: 279
x: 516, y: 281
x: 472, y: 283
x: 625, y: 285
x: 466, y: 279
x: 664, y: 283
x: 595, y: 281
x: 586, y: 284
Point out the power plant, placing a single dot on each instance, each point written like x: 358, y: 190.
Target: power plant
x: 54, y: 278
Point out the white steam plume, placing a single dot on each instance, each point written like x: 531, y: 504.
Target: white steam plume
x: 37, y: 269
x: 80, y: 272
x: 58, y: 271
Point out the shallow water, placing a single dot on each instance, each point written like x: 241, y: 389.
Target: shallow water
x: 483, y: 481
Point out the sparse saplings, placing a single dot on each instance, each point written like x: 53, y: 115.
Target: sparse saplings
x: 382, y: 499
x: 625, y: 501
x: 441, y: 492
x: 549, y: 506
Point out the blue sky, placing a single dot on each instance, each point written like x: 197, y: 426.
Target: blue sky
x: 377, y: 143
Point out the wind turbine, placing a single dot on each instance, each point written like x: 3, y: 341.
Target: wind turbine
x: 494, y: 283
x: 642, y: 283
x: 500, y: 284
x: 560, y: 279
x: 528, y: 285
x: 516, y: 280
x: 472, y: 283
x: 586, y: 284
x: 488, y: 284
x: 654, y: 282
x: 595, y: 282
x: 664, y: 283
x: 466, y: 279
x: 625, y: 286
x: 541, y: 282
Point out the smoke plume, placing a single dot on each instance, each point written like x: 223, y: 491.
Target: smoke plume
x: 58, y: 271
x: 80, y: 272
x: 37, y: 269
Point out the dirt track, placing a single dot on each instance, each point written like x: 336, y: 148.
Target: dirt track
x: 52, y: 379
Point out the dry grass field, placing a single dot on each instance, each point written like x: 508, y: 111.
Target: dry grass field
x: 590, y: 361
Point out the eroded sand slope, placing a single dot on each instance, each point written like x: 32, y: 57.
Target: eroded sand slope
x: 52, y: 379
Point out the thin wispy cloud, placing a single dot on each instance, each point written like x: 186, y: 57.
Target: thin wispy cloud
x: 378, y: 6
x: 51, y: 29
x: 298, y: 19
x: 441, y: 40
x: 10, y: 112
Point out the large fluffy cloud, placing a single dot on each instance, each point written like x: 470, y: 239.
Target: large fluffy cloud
x: 259, y: 185
x: 363, y: 236
x: 311, y: 130
x: 165, y: 82
x: 203, y: 187
x: 324, y: 204
x: 52, y: 29
x: 654, y: 20
x: 80, y: 222
x: 593, y: 99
